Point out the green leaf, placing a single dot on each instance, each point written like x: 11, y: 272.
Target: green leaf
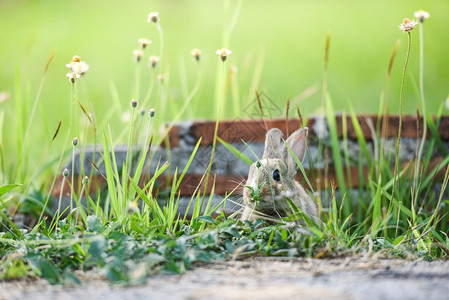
x: 97, y: 247
x: 7, y: 187
x: 153, y: 259
x: 116, y: 274
x: 435, y: 134
x: 68, y: 276
x: 398, y: 240
x: 207, y: 219
x: 47, y: 269
x: 232, y: 231
x: 94, y: 224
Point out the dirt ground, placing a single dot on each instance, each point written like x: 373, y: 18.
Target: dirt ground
x: 264, y: 278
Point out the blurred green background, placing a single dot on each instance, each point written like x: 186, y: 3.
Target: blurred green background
x: 283, y: 41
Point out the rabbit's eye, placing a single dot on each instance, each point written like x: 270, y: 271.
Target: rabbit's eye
x: 276, y: 175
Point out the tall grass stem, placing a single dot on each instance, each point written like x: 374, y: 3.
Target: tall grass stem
x: 36, y: 99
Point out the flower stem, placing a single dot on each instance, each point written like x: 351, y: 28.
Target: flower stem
x: 423, y: 103
x: 161, y: 63
x: 137, y: 84
x: 72, y: 112
x: 129, y: 154
x: 214, y: 143
x: 161, y: 44
x: 190, y: 96
x: 73, y: 179
x: 150, y: 88
x: 58, y: 212
x: 396, y: 166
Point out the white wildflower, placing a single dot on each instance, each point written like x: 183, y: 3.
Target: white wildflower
x: 144, y: 42
x: 73, y: 76
x: 407, y: 25
x: 132, y: 207
x: 223, y: 53
x: 4, y: 96
x: 137, y: 55
x: 126, y: 117
x: 153, y: 17
x: 196, y: 53
x: 76, y: 65
x: 421, y: 15
x: 153, y: 61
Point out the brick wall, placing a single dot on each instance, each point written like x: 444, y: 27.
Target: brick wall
x: 229, y: 172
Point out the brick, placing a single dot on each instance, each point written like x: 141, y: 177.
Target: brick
x: 254, y: 130
x: 319, y: 180
x: 96, y: 182
x: 173, y: 136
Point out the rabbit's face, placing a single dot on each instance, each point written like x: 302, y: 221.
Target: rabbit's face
x: 271, y: 184
x: 267, y: 185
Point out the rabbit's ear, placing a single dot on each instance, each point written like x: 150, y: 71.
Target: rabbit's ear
x: 297, y: 142
x: 273, y: 141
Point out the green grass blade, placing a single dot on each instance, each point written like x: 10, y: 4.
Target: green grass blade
x: 377, y: 211
x: 435, y: 134
x: 336, y: 155
x: 301, y: 167
x: 188, y: 164
x: 235, y: 151
x: 361, y: 138
x: 110, y: 175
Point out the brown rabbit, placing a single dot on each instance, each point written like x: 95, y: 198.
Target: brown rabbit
x: 272, y: 179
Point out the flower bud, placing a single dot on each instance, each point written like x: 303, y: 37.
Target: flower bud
x: 153, y: 17
x: 223, y: 53
x: 137, y: 55
x: 153, y: 60
x: 73, y: 76
x: 144, y: 42
x: 196, y: 53
x: 407, y: 25
x: 132, y: 207
x: 421, y: 15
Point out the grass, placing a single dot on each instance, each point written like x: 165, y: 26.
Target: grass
x: 128, y: 233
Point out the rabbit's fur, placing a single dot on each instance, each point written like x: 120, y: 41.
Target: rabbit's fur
x: 274, y: 179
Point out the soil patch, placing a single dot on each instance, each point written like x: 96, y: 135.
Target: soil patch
x: 263, y: 278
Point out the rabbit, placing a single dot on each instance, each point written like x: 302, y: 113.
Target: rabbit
x: 272, y: 179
